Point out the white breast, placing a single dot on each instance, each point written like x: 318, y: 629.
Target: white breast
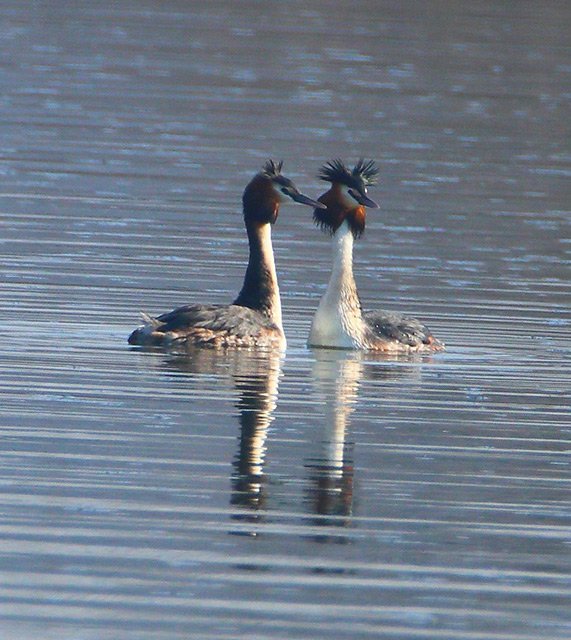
x: 338, y: 321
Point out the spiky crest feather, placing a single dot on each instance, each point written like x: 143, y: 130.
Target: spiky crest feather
x: 367, y: 170
x: 335, y: 171
x: 364, y: 173
x: 272, y: 169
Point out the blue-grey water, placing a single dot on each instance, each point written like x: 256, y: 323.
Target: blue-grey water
x: 318, y: 494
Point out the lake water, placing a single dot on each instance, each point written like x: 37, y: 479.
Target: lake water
x: 146, y: 496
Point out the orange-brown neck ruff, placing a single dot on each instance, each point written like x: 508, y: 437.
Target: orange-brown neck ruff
x: 339, y: 209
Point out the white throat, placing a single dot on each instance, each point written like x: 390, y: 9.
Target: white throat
x: 338, y: 321
x: 267, y: 256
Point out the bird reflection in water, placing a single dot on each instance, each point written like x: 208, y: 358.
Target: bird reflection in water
x: 257, y: 396
x: 255, y: 375
x: 337, y: 377
x: 330, y: 487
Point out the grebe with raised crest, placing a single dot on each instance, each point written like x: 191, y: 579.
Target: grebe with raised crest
x: 339, y: 321
x: 254, y: 319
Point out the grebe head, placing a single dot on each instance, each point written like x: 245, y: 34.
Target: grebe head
x: 347, y: 198
x: 267, y: 190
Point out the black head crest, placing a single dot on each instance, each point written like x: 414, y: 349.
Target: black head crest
x: 335, y: 171
x: 272, y: 169
x: 367, y: 170
x: 364, y: 173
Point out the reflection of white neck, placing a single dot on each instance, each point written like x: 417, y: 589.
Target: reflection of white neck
x: 264, y: 416
x: 257, y: 376
x: 338, y: 378
x: 338, y: 321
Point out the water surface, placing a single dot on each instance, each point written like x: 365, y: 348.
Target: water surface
x: 149, y: 496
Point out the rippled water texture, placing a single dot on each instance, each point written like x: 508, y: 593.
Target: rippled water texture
x: 322, y: 494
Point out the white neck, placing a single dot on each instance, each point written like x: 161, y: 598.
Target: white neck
x: 338, y: 321
x: 267, y: 251
x: 260, y: 289
x: 342, y: 272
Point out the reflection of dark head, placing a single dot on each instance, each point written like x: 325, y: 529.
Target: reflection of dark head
x: 330, y: 492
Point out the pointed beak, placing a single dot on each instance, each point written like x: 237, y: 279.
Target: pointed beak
x: 299, y: 197
x: 361, y: 198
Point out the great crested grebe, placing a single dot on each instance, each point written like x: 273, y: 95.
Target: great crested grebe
x: 339, y: 320
x: 255, y: 317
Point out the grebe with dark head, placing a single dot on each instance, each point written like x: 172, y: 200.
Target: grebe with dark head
x: 255, y: 317
x: 339, y: 320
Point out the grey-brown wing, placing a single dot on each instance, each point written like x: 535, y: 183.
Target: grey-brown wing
x: 233, y: 319
x: 394, y: 326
